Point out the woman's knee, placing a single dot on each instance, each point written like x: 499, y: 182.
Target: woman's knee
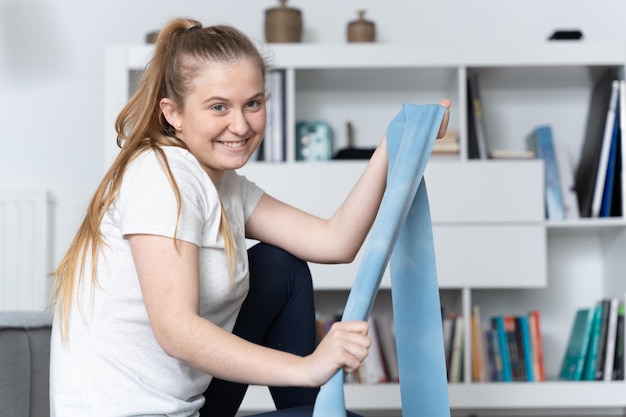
x: 274, y: 269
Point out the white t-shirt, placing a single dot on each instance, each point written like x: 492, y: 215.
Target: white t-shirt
x: 113, y: 365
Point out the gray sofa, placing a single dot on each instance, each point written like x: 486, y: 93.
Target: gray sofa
x: 24, y: 363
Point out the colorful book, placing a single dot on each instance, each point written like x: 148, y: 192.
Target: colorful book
x: 497, y: 323
x: 526, y: 346
x: 542, y: 143
x: 580, y: 334
x: 517, y: 369
x: 537, y: 345
x: 591, y: 361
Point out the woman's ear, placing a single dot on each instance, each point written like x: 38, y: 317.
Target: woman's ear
x: 171, y: 113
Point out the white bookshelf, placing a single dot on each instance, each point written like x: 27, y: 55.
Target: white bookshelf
x: 493, y: 246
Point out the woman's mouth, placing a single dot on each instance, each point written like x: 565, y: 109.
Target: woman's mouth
x: 235, y: 145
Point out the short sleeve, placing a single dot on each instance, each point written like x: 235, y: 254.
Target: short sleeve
x: 147, y: 202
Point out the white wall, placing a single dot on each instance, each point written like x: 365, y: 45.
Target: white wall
x: 51, y: 65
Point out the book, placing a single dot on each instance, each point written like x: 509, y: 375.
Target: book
x: 517, y: 369
x: 372, y: 368
x: 274, y: 140
x: 537, y: 345
x: 578, y: 342
x: 497, y: 323
x: 611, y: 334
x: 526, y: 346
x: 512, y: 154
x: 591, y: 361
x: 618, y: 360
x: 587, y: 169
x: 386, y: 335
x: 493, y: 355
x: 566, y: 178
x: 477, y: 142
x: 448, y: 335
x: 621, y: 161
x: 479, y: 370
x: 607, y: 206
x: 456, y: 360
x: 542, y: 142
x: 605, y: 151
x: 606, y: 307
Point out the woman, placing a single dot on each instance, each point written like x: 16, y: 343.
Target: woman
x: 149, y: 291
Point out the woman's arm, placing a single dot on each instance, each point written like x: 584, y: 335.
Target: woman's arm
x: 333, y: 240
x: 168, y: 276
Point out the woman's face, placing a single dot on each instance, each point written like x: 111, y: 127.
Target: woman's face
x: 223, y: 118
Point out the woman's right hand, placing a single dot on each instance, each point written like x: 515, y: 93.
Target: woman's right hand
x: 344, y: 346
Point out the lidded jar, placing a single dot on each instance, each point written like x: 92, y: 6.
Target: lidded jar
x: 361, y: 30
x: 283, y: 24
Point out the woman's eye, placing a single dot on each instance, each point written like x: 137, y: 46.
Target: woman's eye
x: 218, y: 107
x: 253, y: 104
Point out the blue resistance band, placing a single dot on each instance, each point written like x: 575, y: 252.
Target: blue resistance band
x: 402, y: 235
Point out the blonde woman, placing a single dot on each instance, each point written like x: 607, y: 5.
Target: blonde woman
x: 155, y: 298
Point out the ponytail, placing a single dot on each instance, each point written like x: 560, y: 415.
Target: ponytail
x: 181, y: 49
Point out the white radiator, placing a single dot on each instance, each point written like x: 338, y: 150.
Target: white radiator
x: 25, y: 249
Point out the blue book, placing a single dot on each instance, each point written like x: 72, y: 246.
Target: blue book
x: 609, y: 181
x: 527, y: 349
x: 544, y: 148
x: 577, y: 345
x: 497, y: 323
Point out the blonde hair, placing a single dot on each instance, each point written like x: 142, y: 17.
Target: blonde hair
x: 181, y: 49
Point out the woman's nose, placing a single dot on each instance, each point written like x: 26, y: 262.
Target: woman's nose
x: 238, y: 123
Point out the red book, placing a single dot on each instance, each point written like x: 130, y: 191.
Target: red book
x: 537, y: 345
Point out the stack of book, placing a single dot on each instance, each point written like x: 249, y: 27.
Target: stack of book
x: 509, y: 349
x: 595, y: 349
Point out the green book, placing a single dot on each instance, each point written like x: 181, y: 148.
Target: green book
x: 574, y: 359
x: 594, y: 345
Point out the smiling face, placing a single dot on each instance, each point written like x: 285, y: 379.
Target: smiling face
x: 222, y: 119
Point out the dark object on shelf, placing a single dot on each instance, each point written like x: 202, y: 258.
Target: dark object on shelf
x: 566, y: 35
x: 283, y: 24
x: 587, y: 170
x: 351, y: 152
x: 361, y: 30
x: 477, y: 141
x: 151, y: 37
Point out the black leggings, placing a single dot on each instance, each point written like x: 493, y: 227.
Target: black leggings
x: 279, y: 313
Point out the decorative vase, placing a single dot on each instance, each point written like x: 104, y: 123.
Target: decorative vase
x: 361, y: 30
x: 283, y: 24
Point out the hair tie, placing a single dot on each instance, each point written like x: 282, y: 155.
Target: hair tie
x: 193, y: 28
